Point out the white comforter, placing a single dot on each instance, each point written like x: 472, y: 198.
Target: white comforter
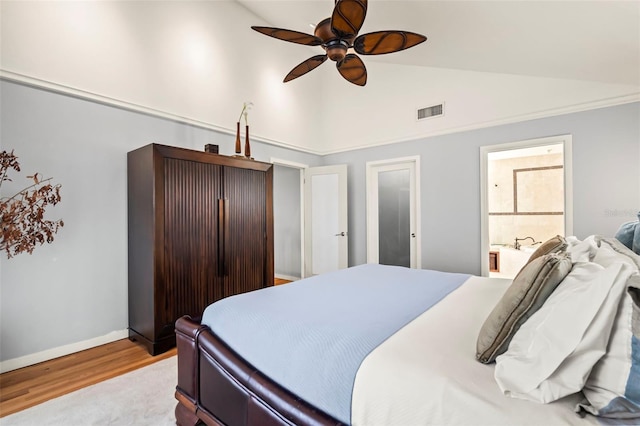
x: 426, y: 374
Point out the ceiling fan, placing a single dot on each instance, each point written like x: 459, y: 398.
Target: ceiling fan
x: 339, y: 33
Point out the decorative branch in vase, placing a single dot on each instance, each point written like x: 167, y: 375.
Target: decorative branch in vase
x: 247, y: 147
x: 23, y: 223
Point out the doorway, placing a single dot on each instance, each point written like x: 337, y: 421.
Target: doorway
x: 310, y: 219
x: 288, y: 216
x: 526, y: 199
x: 393, y: 212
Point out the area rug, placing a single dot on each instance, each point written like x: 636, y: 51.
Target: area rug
x: 141, y: 397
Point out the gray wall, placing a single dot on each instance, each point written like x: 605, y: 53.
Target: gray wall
x: 286, y: 222
x: 75, y: 289
x: 606, y: 181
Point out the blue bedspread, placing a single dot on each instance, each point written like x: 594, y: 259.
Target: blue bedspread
x: 311, y: 336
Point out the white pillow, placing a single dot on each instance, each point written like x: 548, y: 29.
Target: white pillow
x: 581, y: 251
x: 613, y: 387
x: 553, y: 353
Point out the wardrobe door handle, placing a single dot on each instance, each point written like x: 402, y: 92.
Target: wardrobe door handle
x: 226, y: 237
x: 223, y: 231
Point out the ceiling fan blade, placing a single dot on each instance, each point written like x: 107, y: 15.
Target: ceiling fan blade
x: 306, y: 66
x: 289, y: 35
x: 348, y: 17
x: 381, y: 42
x: 352, y: 69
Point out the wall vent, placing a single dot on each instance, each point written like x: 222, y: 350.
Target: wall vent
x: 430, y: 112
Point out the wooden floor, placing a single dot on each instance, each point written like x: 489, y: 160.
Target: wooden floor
x: 33, y: 385
x: 29, y: 386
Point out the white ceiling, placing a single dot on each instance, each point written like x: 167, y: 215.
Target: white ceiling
x: 579, y: 40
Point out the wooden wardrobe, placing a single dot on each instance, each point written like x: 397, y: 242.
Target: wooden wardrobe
x: 200, y: 229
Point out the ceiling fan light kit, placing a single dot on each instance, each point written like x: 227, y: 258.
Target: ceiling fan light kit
x: 339, y: 33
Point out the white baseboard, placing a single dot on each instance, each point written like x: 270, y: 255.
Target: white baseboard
x: 287, y: 277
x: 24, y: 361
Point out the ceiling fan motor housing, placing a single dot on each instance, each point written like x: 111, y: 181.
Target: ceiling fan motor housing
x: 336, y: 50
x: 335, y: 47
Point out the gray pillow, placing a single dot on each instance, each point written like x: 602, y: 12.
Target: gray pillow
x: 527, y: 293
x: 552, y: 245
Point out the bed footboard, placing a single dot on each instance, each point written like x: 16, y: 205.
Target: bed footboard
x: 187, y: 332
x: 217, y: 387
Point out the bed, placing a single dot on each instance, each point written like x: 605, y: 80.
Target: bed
x: 385, y: 345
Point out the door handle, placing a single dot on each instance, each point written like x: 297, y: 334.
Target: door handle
x: 223, y: 235
x: 413, y: 235
x: 342, y: 234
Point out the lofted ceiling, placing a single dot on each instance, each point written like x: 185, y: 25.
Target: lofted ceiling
x: 595, y: 41
x: 488, y: 62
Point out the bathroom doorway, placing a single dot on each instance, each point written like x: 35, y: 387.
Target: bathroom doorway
x: 526, y: 200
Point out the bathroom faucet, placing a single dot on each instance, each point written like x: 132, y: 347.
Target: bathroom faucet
x: 517, y: 244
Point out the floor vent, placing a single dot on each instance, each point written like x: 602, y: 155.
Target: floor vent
x: 430, y: 112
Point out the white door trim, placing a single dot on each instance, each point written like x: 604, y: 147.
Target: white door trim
x: 301, y: 167
x: 566, y: 140
x: 372, y: 167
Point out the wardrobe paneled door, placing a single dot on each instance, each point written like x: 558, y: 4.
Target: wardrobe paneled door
x: 200, y: 229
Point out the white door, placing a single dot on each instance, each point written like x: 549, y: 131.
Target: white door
x: 393, y: 219
x: 326, y: 233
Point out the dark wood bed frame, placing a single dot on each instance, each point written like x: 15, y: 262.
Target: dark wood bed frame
x: 217, y: 387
